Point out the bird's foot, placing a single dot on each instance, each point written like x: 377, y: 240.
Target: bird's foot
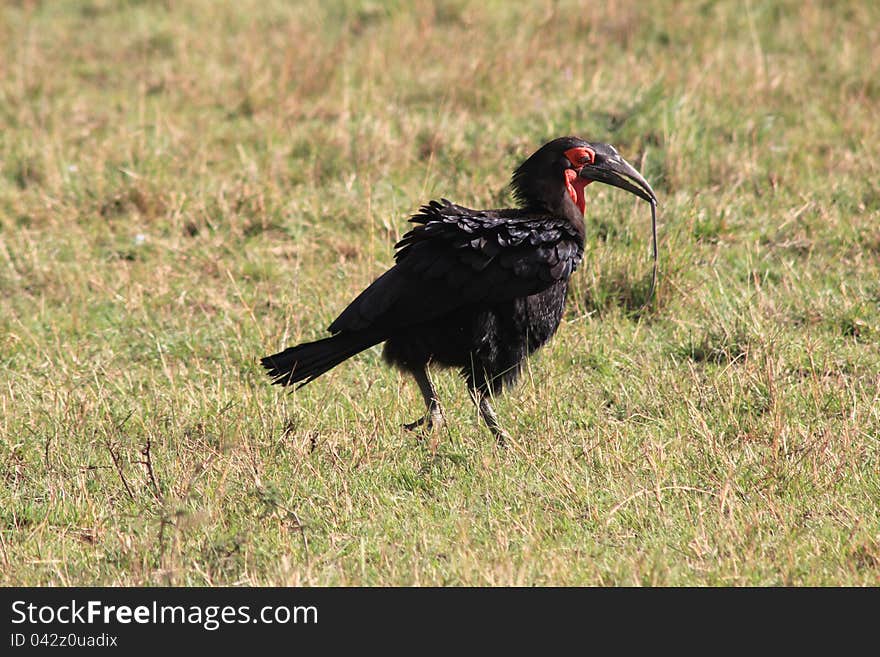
x: 501, y: 436
x: 412, y: 426
x: 485, y: 406
x: 429, y: 421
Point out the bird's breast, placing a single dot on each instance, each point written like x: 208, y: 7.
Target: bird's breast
x: 542, y: 312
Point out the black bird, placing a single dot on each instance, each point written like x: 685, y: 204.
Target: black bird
x: 478, y: 290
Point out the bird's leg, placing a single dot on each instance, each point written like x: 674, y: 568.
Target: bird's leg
x: 433, y: 417
x: 481, y: 400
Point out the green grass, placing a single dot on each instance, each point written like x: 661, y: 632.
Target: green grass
x: 186, y: 187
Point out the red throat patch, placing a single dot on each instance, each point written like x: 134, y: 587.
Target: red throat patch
x: 575, y: 186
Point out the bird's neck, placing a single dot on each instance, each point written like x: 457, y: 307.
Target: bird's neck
x: 576, y: 218
x: 564, y: 201
x: 565, y: 207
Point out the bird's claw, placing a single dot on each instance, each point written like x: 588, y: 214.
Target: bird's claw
x: 429, y: 422
x: 501, y: 437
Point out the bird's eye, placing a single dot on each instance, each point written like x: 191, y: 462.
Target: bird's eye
x: 580, y: 156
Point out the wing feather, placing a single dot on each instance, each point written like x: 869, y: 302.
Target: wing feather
x: 455, y: 256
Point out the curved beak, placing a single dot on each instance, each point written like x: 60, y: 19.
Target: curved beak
x: 614, y: 170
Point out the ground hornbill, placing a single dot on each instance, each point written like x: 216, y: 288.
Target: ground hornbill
x: 478, y: 290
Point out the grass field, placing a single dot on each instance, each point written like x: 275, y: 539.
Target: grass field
x: 186, y: 187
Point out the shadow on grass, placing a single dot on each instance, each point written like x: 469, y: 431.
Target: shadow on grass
x: 718, y: 345
x: 618, y: 290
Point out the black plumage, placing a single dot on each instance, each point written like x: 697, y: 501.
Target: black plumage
x: 476, y: 290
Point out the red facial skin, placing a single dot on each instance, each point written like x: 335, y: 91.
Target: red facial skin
x: 574, y: 183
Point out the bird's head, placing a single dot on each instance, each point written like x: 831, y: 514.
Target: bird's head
x: 559, y: 171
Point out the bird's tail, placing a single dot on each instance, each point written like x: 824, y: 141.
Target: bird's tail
x: 306, y: 362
